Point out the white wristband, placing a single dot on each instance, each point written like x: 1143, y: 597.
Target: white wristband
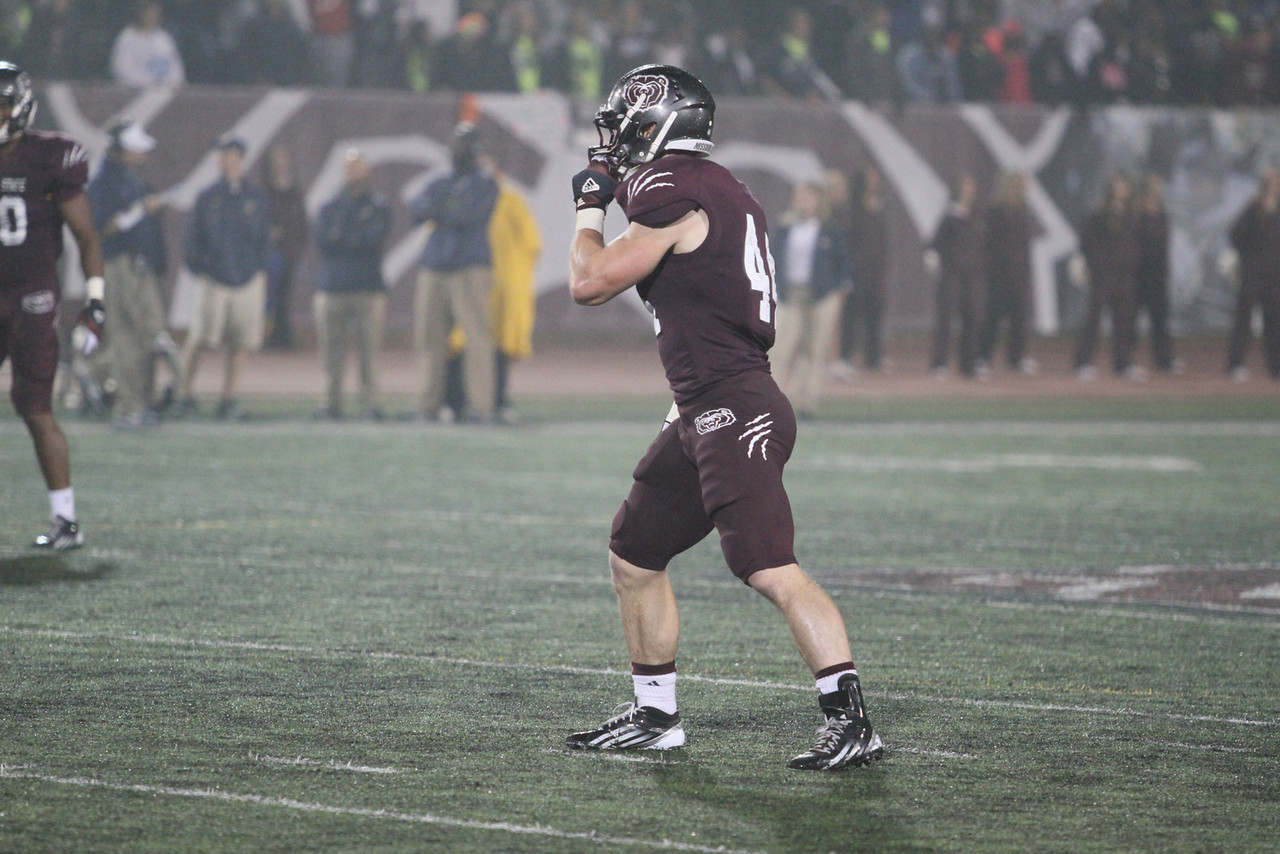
x: 592, y: 218
x: 95, y: 287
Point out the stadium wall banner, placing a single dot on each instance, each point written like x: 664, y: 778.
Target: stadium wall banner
x: 1210, y: 161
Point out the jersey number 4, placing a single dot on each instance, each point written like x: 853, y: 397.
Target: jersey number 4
x: 759, y: 267
x: 13, y: 220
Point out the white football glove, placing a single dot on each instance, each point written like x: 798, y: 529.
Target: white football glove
x: 1229, y: 263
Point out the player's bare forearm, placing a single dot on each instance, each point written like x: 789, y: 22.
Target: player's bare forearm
x: 78, y: 216
x: 585, y: 284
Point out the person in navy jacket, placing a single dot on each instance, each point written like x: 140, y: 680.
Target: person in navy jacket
x: 455, y: 281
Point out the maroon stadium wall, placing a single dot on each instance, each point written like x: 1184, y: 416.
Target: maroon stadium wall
x: 1209, y: 159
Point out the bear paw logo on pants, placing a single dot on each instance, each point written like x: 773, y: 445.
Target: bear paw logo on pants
x: 713, y: 420
x: 40, y: 302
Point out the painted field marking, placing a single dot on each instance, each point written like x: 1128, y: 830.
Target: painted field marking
x: 10, y: 772
x: 1269, y: 591
x: 331, y: 765
x: 985, y: 463
x: 425, y: 658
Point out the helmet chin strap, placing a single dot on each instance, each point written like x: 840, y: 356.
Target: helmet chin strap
x: 656, y: 142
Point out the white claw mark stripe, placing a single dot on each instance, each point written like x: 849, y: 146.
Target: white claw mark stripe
x: 758, y: 429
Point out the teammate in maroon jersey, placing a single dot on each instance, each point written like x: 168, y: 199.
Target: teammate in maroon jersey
x: 42, y: 181
x: 696, y: 249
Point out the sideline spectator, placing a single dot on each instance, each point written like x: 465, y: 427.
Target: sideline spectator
x: 226, y: 247
x: 583, y: 62
x: 956, y: 260
x: 333, y: 46
x: 287, y: 242
x: 1109, y: 245
x: 632, y: 43
x: 273, y: 48
x: 516, y: 243
x: 351, y: 296
x: 927, y: 72
x: 455, y: 281
x: 790, y: 68
x: 869, y: 73
x: 415, y: 58
x: 133, y: 247
x: 375, y: 43
x: 144, y: 53
x: 1152, y: 287
x: 1255, y: 237
x: 1053, y: 81
x: 732, y: 68
x: 869, y: 259
x: 468, y: 61
x: 1249, y: 69
x: 54, y: 45
x: 197, y: 27
x: 1007, y: 227
x: 812, y: 278
x: 525, y: 51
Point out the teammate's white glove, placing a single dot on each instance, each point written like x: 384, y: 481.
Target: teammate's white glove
x: 1229, y: 263
x: 1078, y: 271
x: 87, y: 332
x: 932, y: 263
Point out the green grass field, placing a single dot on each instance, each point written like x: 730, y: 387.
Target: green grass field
x: 290, y: 636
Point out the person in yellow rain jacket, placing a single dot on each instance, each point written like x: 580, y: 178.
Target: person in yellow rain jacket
x: 516, y: 244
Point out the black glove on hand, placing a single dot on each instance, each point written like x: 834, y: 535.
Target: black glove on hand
x: 88, y: 328
x: 593, y: 189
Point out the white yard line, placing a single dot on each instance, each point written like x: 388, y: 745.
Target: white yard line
x: 331, y: 765
x: 11, y: 772
x: 320, y: 652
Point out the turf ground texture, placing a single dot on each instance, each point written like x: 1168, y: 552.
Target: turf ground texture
x: 296, y: 636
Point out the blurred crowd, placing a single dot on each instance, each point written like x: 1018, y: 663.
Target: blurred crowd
x: 1203, y: 52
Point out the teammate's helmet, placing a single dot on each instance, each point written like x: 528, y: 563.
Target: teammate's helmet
x: 17, y: 101
x: 653, y: 109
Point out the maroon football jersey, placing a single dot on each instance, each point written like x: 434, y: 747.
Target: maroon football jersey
x: 713, y: 307
x: 42, y: 171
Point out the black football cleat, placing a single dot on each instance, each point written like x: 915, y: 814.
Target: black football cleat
x: 634, y: 728
x: 63, y: 534
x: 846, y: 739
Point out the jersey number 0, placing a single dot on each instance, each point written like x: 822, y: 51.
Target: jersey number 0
x: 13, y: 221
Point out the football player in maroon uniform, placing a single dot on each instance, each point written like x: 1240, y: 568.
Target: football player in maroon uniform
x: 696, y: 249
x: 42, y: 186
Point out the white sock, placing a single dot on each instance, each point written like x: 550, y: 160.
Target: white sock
x: 62, y: 502
x: 830, y: 683
x: 657, y: 691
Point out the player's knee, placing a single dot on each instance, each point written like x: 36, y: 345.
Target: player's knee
x: 781, y: 585
x: 31, y: 400
x: 627, y: 576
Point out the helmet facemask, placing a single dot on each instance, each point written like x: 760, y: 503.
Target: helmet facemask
x: 17, y: 102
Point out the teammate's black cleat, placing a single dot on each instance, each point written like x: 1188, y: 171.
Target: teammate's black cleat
x: 63, y: 534
x: 846, y: 739
x: 634, y: 728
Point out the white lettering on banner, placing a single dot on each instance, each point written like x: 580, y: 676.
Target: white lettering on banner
x: 922, y: 192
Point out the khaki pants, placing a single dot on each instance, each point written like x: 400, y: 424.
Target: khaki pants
x: 135, y: 318
x: 805, y: 345
x: 443, y: 300
x: 340, y: 317
x: 230, y: 316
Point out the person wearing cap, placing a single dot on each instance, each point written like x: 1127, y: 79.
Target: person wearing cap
x: 351, y: 295
x: 124, y: 212
x: 455, y: 281
x: 226, y: 245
